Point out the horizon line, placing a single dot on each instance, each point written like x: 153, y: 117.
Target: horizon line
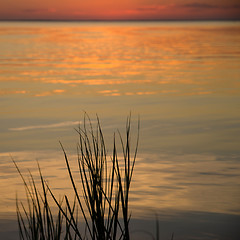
x: 117, y: 20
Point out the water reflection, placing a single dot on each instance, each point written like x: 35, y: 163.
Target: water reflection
x: 193, y: 182
x: 187, y: 182
x: 181, y: 78
x: 184, y: 59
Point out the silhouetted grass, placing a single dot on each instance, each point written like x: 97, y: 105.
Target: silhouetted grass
x: 37, y: 221
x: 101, y: 192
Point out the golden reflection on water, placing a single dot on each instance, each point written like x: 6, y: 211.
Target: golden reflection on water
x: 187, y: 183
x: 160, y: 182
x: 182, y: 79
x: 160, y: 59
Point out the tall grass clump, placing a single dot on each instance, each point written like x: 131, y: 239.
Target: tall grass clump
x: 37, y: 220
x: 100, y: 188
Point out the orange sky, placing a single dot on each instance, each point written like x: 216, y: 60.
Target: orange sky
x: 119, y: 9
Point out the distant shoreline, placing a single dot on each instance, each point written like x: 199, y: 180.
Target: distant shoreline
x: 120, y: 20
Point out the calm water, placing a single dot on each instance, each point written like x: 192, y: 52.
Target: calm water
x: 182, y: 78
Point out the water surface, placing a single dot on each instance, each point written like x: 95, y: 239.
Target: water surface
x: 182, y: 78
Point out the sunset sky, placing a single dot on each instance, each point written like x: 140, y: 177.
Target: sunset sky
x: 119, y: 9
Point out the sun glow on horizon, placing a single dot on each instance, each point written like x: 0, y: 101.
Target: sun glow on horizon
x: 118, y: 10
